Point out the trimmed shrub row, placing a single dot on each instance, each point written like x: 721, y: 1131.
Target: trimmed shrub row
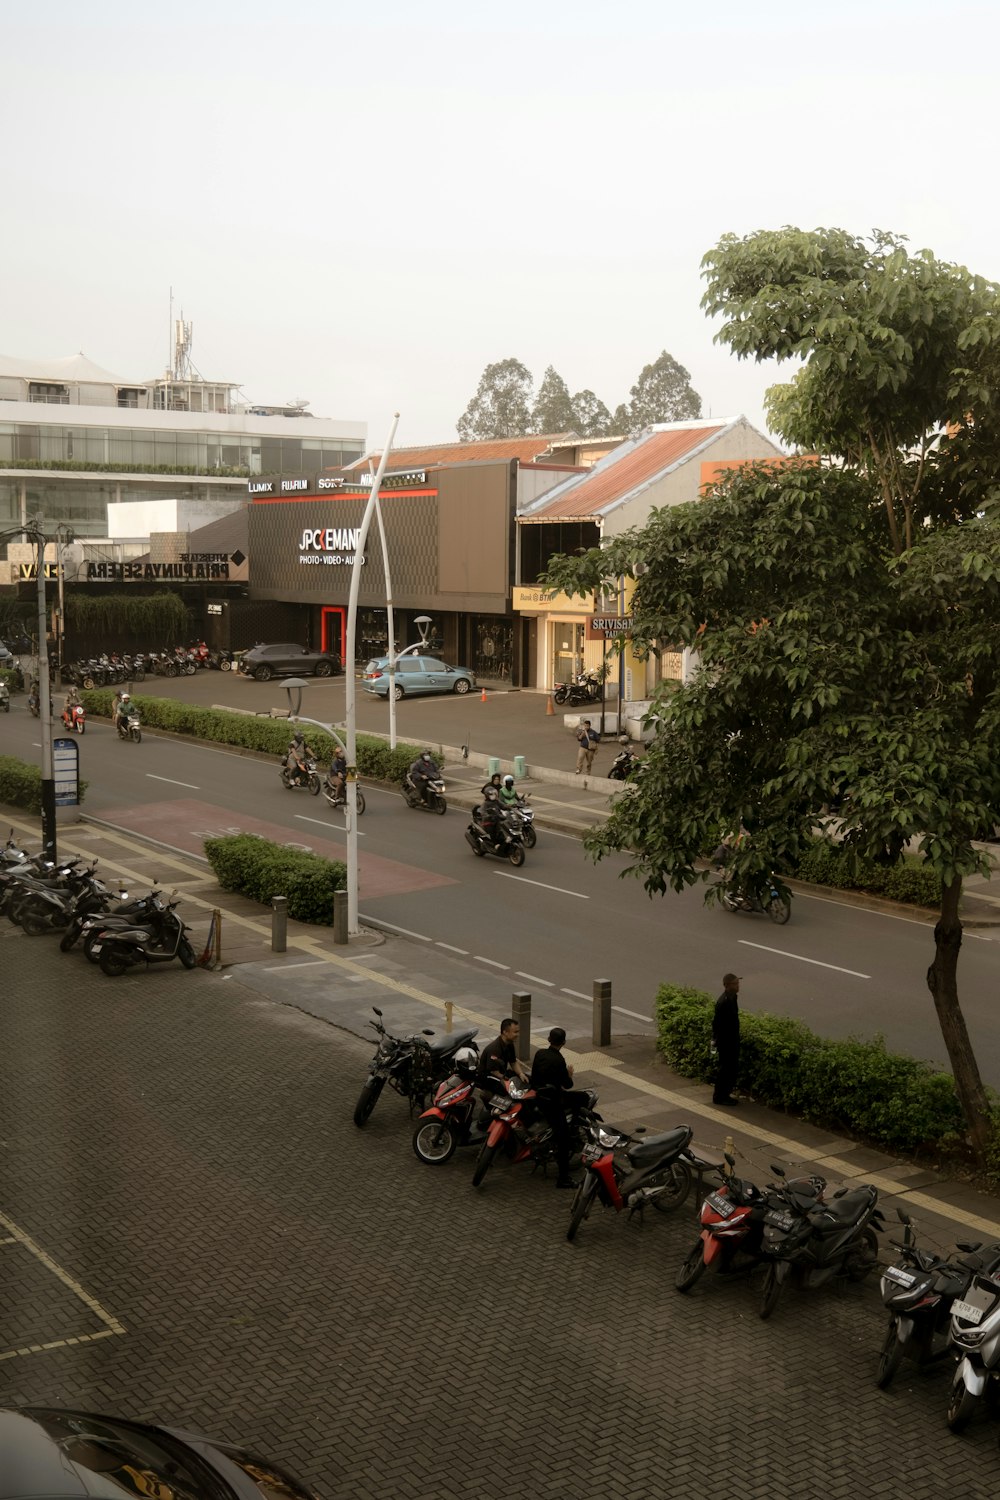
x: 911, y: 880
x: 21, y: 784
x: 855, y: 1087
x: 257, y: 868
x: 375, y: 759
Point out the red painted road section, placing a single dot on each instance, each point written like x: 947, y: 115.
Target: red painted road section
x: 186, y: 824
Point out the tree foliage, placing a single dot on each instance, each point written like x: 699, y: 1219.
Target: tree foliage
x: 845, y: 611
x: 591, y: 417
x: 553, y: 410
x: 501, y: 407
x: 157, y: 618
x: 663, y: 393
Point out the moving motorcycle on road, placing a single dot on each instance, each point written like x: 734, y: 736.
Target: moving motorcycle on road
x: 919, y: 1291
x: 337, y: 795
x: 129, y: 726
x: 435, y: 795
x: 835, y: 1240
x: 295, y: 781
x: 75, y: 718
x: 447, y: 1124
x: 509, y: 842
x: 623, y: 1171
x: 408, y: 1064
x: 520, y: 1129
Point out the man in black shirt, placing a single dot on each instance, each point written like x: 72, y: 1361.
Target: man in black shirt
x: 726, y: 1039
x: 500, y: 1058
x: 552, y: 1076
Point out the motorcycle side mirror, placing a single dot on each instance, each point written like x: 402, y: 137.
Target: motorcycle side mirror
x: 639, y: 1130
x: 901, y: 1216
x: 730, y: 1159
x: 967, y: 1247
x: 377, y: 1011
x: 778, y: 1171
x: 427, y: 1032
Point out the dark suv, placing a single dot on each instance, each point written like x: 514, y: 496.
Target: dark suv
x: 265, y: 662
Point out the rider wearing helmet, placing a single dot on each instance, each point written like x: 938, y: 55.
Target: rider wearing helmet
x: 299, y: 751
x: 122, y: 708
x: 424, y: 770
x: 508, y: 796
x: 491, y: 814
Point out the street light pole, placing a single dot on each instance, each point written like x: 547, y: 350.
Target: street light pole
x: 45, y: 709
x: 353, y: 925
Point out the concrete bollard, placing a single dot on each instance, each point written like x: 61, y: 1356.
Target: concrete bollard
x: 602, y: 1013
x: 449, y: 1016
x: 520, y: 767
x: 520, y: 1011
x: 493, y: 765
x: 279, y: 924
x: 340, y: 917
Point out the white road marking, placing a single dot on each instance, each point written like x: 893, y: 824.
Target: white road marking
x: 803, y: 960
x: 331, y: 827
x: 619, y: 1008
x: 421, y: 938
x: 576, y: 994
x: 451, y: 948
x: 190, y: 784
x: 534, y: 978
x: 491, y: 961
x: 557, y: 888
x: 305, y: 963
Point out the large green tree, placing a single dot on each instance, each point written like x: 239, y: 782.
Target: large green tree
x: 553, y: 410
x: 591, y: 417
x: 663, y: 393
x: 501, y: 407
x: 846, y: 609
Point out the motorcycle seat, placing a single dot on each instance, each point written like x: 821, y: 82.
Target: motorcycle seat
x: 442, y: 1045
x: 645, y: 1152
x: 843, y: 1210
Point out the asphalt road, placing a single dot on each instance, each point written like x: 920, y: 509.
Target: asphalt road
x: 559, y: 922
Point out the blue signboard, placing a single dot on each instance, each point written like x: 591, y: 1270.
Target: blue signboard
x: 66, y: 772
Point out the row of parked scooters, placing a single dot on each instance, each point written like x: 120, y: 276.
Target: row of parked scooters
x: 942, y: 1308
x: 114, y: 667
x: 113, y: 930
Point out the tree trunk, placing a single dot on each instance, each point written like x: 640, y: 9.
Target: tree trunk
x: 943, y: 985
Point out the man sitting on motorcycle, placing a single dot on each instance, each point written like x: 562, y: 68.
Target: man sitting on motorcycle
x: 299, y: 751
x: 507, y: 794
x: 424, y: 770
x: 122, y: 709
x: 491, y: 815
x: 336, y: 776
x: 72, y: 701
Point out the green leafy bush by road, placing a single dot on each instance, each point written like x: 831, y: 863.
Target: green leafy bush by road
x: 257, y: 868
x: 855, y: 1086
x: 254, y: 732
x: 21, y: 784
x: 910, y: 881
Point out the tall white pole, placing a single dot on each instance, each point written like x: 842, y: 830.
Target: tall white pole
x: 390, y: 624
x: 353, y: 926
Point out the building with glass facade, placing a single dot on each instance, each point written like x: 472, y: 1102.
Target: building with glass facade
x: 74, y: 438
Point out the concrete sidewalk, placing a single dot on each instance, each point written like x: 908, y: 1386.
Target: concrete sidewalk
x: 418, y: 986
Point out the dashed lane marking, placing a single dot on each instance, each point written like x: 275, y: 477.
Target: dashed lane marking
x: 172, y: 782
x: 549, y: 983
x: 801, y: 958
x: 560, y: 890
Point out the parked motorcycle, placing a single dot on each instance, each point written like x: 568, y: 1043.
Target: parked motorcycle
x: 622, y: 1171
x: 584, y: 688
x: 974, y: 1333
x: 293, y: 781
x: 509, y: 838
x: 520, y: 1129
x: 435, y: 795
x: 835, y: 1240
x: 75, y: 718
x: 129, y: 726
x: 408, y: 1064
x: 732, y: 1222
x: 152, y: 943
x: 448, y: 1123
x: 54, y: 910
x: 143, y: 911
x: 919, y: 1291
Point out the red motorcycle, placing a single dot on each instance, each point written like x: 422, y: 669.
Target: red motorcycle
x: 447, y: 1124
x: 520, y: 1129
x: 75, y: 718
x: 625, y: 1172
x: 732, y: 1221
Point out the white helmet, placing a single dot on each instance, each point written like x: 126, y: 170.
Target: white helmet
x: 466, y: 1062
x: 126, y: 698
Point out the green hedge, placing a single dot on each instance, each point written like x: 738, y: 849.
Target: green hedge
x: 855, y: 1086
x: 911, y: 880
x: 8, y: 676
x: 259, y: 869
x: 253, y: 732
x: 21, y: 784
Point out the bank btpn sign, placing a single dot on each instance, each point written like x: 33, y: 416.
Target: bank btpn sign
x: 612, y: 624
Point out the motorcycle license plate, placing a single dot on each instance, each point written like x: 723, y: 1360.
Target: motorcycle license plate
x: 96, y: 947
x: 966, y: 1311
x: 720, y: 1205
x: 780, y: 1220
x: 897, y: 1274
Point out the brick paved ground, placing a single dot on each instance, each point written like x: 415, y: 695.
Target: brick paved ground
x: 181, y: 1148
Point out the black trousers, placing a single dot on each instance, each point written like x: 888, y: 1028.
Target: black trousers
x: 554, y: 1110
x: 726, y: 1073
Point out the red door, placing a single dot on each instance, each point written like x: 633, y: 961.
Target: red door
x: 333, y: 629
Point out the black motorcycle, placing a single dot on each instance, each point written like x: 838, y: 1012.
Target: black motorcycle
x: 585, y: 688
x: 434, y: 802
x: 624, y: 765
x: 509, y: 843
x: 153, y: 943
x: 337, y: 796
x: 408, y: 1064
x: 835, y: 1240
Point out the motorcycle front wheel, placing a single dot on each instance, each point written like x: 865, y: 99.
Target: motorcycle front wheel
x: 367, y: 1100
x: 770, y: 1292
x: 136, y: 734
x: 34, y: 925
x: 559, y: 696
x: 516, y: 855
x: 961, y: 1407
x: 530, y: 836
x: 778, y: 910
x: 113, y: 962
x: 186, y: 954
x: 693, y: 1269
x: 890, y: 1358
x: 483, y: 1163
x: 583, y: 1202
x: 314, y: 784
x: 676, y: 1183
x: 361, y: 802
x: 440, y: 805
x: 434, y: 1142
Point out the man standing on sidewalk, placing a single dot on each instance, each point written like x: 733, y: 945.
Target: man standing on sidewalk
x: 726, y: 1039
x: 588, y: 740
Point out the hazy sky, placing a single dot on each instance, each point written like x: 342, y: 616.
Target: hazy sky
x: 366, y: 204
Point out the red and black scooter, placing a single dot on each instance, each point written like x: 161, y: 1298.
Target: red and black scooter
x: 732, y: 1222
x: 520, y: 1129
x: 447, y: 1124
x: 624, y: 1171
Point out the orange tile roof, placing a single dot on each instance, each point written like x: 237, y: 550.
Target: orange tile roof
x: 524, y: 448
x: 623, y: 471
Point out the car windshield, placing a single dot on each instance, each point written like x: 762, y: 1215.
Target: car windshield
x: 117, y: 1459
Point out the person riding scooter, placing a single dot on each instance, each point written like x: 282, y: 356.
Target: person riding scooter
x: 423, y: 771
x: 122, y: 709
x: 72, y: 701
x: 299, y: 752
x: 507, y: 794
x: 336, y: 776
x: 491, y: 814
